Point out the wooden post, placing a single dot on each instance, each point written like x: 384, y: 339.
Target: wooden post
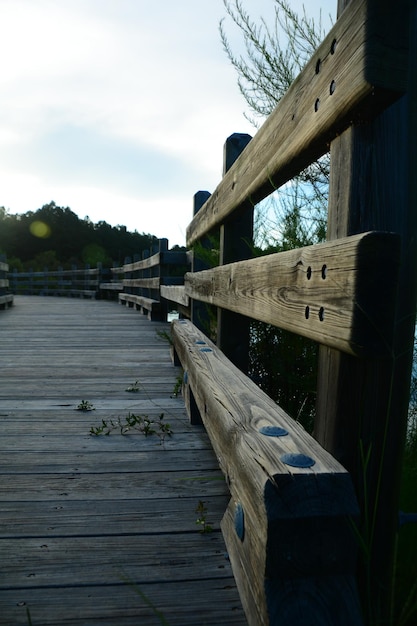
x: 236, y: 241
x: 127, y: 275
x: 199, y: 312
x: 30, y: 281
x: 143, y: 273
x: 362, y: 404
x: 161, y: 269
x: 87, y: 278
x: 45, y: 286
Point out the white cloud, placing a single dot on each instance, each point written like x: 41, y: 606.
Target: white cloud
x: 115, y: 103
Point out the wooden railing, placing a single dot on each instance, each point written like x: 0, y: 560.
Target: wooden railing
x: 74, y: 282
x: 311, y: 524
x: 149, y: 284
x: 313, y: 520
x: 6, y: 298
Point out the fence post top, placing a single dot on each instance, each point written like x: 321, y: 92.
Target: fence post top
x: 233, y: 147
x: 199, y: 199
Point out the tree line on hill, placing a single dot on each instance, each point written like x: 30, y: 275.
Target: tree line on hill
x: 55, y: 236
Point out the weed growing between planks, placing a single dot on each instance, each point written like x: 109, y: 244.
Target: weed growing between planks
x: 140, y: 423
x: 85, y: 405
x: 163, y: 334
x: 205, y: 526
x: 145, y: 599
x: 178, y: 386
x: 133, y: 388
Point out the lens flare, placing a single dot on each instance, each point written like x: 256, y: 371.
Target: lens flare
x: 40, y: 229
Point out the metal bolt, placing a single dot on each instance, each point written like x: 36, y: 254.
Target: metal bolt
x: 297, y: 460
x: 240, y: 521
x: 273, y: 431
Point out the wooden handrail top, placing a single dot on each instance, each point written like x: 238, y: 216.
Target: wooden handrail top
x: 167, y: 257
x: 355, y: 72
x: 148, y: 283
x: 241, y: 411
x: 290, y: 499
x: 57, y: 273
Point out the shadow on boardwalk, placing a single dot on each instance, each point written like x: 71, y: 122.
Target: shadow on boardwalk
x: 102, y: 530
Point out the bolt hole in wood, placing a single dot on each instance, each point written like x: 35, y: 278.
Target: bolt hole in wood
x: 332, y: 87
x: 333, y: 46
x: 307, y: 312
x: 317, y: 105
x: 324, y: 272
x: 318, y: 66
x: 321, y: 314
x: 309, y: 272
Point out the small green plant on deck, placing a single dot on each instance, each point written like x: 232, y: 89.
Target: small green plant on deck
x: 201, y: 520
x: 164, y: 334
x: 85, y: 405
x: 145, y: 599
x: 140, y: 423
x: 178, y: 385
x: 133, y: 388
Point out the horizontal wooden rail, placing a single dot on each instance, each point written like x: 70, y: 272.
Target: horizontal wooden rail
x: 136, y: 284
x: 147, y: 283
x: 165, y: 257
x: 148, y: 306
x: 111, y: 286
x: 175, y: 293
x: 354, y: 73
x: 143, y: 281
x: 74, y: 282
x: 289, y: 525
x: 340, y: 293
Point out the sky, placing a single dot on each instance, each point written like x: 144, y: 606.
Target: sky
x: 119, y: 109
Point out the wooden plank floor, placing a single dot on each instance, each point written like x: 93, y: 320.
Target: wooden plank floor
x: 102, y: 529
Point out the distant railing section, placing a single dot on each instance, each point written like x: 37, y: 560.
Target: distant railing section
x: 300, y: 506
x: 153, y: 284
x: 6, y: 298
x: 75, y: 282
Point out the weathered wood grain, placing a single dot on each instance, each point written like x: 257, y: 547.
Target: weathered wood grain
x: 352, y: 74
x: 147, y: 283
x: 127, y: 604
x: 340, y: 294
x: 144, y: 264
x: 55, y: 518
x: 175, y: 293
x: 147, y: 305
x: 103, y: 560
x: 81, y: 515
x: 294, y: 520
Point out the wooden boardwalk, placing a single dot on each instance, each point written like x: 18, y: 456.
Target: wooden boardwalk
x: 102, y: 529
